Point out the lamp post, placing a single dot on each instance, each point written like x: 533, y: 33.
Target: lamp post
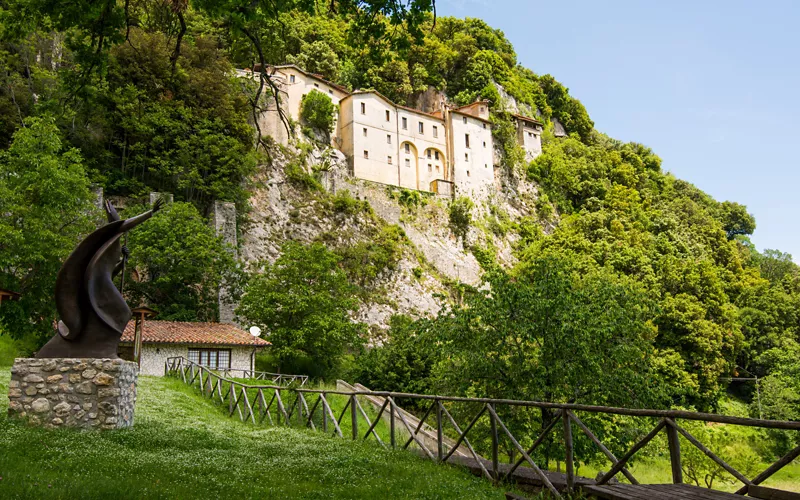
x: 256, y: 333
x: 141, y: 313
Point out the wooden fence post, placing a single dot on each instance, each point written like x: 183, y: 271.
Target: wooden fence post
x: 439, y: 441
x: 354, y: 416
x: 674, y: 442
x: 392, y: 437
x: 568, y: 450
x: 324, y: 413
x: 495, y: 444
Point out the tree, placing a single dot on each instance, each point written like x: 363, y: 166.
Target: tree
x: 736, y: 220
x: 304, y: 302
x: 548, y: 334
x: 774, y: 265
x: 46, y: 207
x: 318, y: 111
x: 178, y: 265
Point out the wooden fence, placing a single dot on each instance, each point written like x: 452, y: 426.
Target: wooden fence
x: 251, y: 404
x: 275, y: 378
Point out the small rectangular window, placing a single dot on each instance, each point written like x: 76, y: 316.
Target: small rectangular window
x: 484, y: 143
x: 437, y: 168
x: 366, y: 154
x: 430, y: 167
x: 467, y: 173
x: 365, y: 131
x: 428, y: 153
x: 435, y: 131
x: 436, y: 154
x: 388, y: 139
x: 408, y: 162
x: 330, y: 91
x: 316, y: 85
x: 291, y: 78
x: 387, y: 115
x: 363, y: 108
x: 484, y: 125
x: 408, y: 147
x: 466, y: 139
x: 389, y: 160
x: 483, y: 109
x: 405, y: 123
x: 466, y: 156
x: 465, y: 119
x: 421, y: 128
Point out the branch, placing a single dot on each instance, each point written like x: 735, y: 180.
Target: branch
x: 173, y: 59
x: 265, y: 78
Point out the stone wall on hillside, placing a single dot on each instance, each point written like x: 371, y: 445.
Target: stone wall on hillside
x: 72, y: 392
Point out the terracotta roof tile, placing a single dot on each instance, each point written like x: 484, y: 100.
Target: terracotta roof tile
x: 183, y: 332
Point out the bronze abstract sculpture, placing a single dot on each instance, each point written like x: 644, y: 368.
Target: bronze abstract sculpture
x: 93, y: 312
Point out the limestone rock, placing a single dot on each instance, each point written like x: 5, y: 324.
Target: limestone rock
x: 103, y: 379
x: 40, y: 405
x: 84, y: 388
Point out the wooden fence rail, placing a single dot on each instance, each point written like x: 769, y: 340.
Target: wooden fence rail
x: 237, y: 396
x: 275, y: 378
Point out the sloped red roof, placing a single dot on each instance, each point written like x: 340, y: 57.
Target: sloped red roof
x: 184, y: 332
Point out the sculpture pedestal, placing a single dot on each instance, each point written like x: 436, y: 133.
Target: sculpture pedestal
x: 70, y: 392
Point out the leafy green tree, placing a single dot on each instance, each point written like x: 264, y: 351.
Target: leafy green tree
x: 404, y: 362
x: 178, y: 265
x: 317, y: 57
x: 461, y: 216
x: 46, y: 202
x: 318, y: 111
x: 304, y: 302
x: 551, y: 334
x: 775, y: 265
x: 736, y: 220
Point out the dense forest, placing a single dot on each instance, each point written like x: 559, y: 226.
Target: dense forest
x: 647, y: 291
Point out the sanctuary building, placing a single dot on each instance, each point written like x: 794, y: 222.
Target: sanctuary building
x: 448, y: 151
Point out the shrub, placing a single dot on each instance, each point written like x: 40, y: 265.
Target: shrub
x: 344, y: 203
x: 318, y: 111
x: 366, y: 260
x: 461, y: 216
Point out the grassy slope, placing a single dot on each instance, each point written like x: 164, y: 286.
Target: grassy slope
x: 182, y: 447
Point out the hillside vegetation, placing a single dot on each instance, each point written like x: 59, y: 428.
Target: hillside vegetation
x: 593, y: 276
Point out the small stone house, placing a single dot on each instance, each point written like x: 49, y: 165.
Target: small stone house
x: 216, y: 345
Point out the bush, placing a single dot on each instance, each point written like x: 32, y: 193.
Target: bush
x: 461, y: 216
x: 318, y: 111
x: 366, y: 260
x: 344, y: 203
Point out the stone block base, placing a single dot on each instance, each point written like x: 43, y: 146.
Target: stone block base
x: 70, y: 392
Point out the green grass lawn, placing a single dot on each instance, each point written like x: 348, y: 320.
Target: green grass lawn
x: 182, y: 446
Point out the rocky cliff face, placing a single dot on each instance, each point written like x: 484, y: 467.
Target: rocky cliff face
x: 433, y: 258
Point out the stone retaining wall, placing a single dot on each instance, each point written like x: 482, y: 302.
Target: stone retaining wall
x: 67, y: 392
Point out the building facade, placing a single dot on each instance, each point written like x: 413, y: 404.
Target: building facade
x: 450, y: 151
x: 215, y: 345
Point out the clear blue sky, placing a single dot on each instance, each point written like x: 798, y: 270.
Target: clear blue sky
x: 712, y: 86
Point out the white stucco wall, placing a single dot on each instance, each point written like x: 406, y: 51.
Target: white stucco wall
x: 384, y: 139
x: 155, y: 355
x: 473, y: 166
x: 529, y: 136
x: 292, y: 93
